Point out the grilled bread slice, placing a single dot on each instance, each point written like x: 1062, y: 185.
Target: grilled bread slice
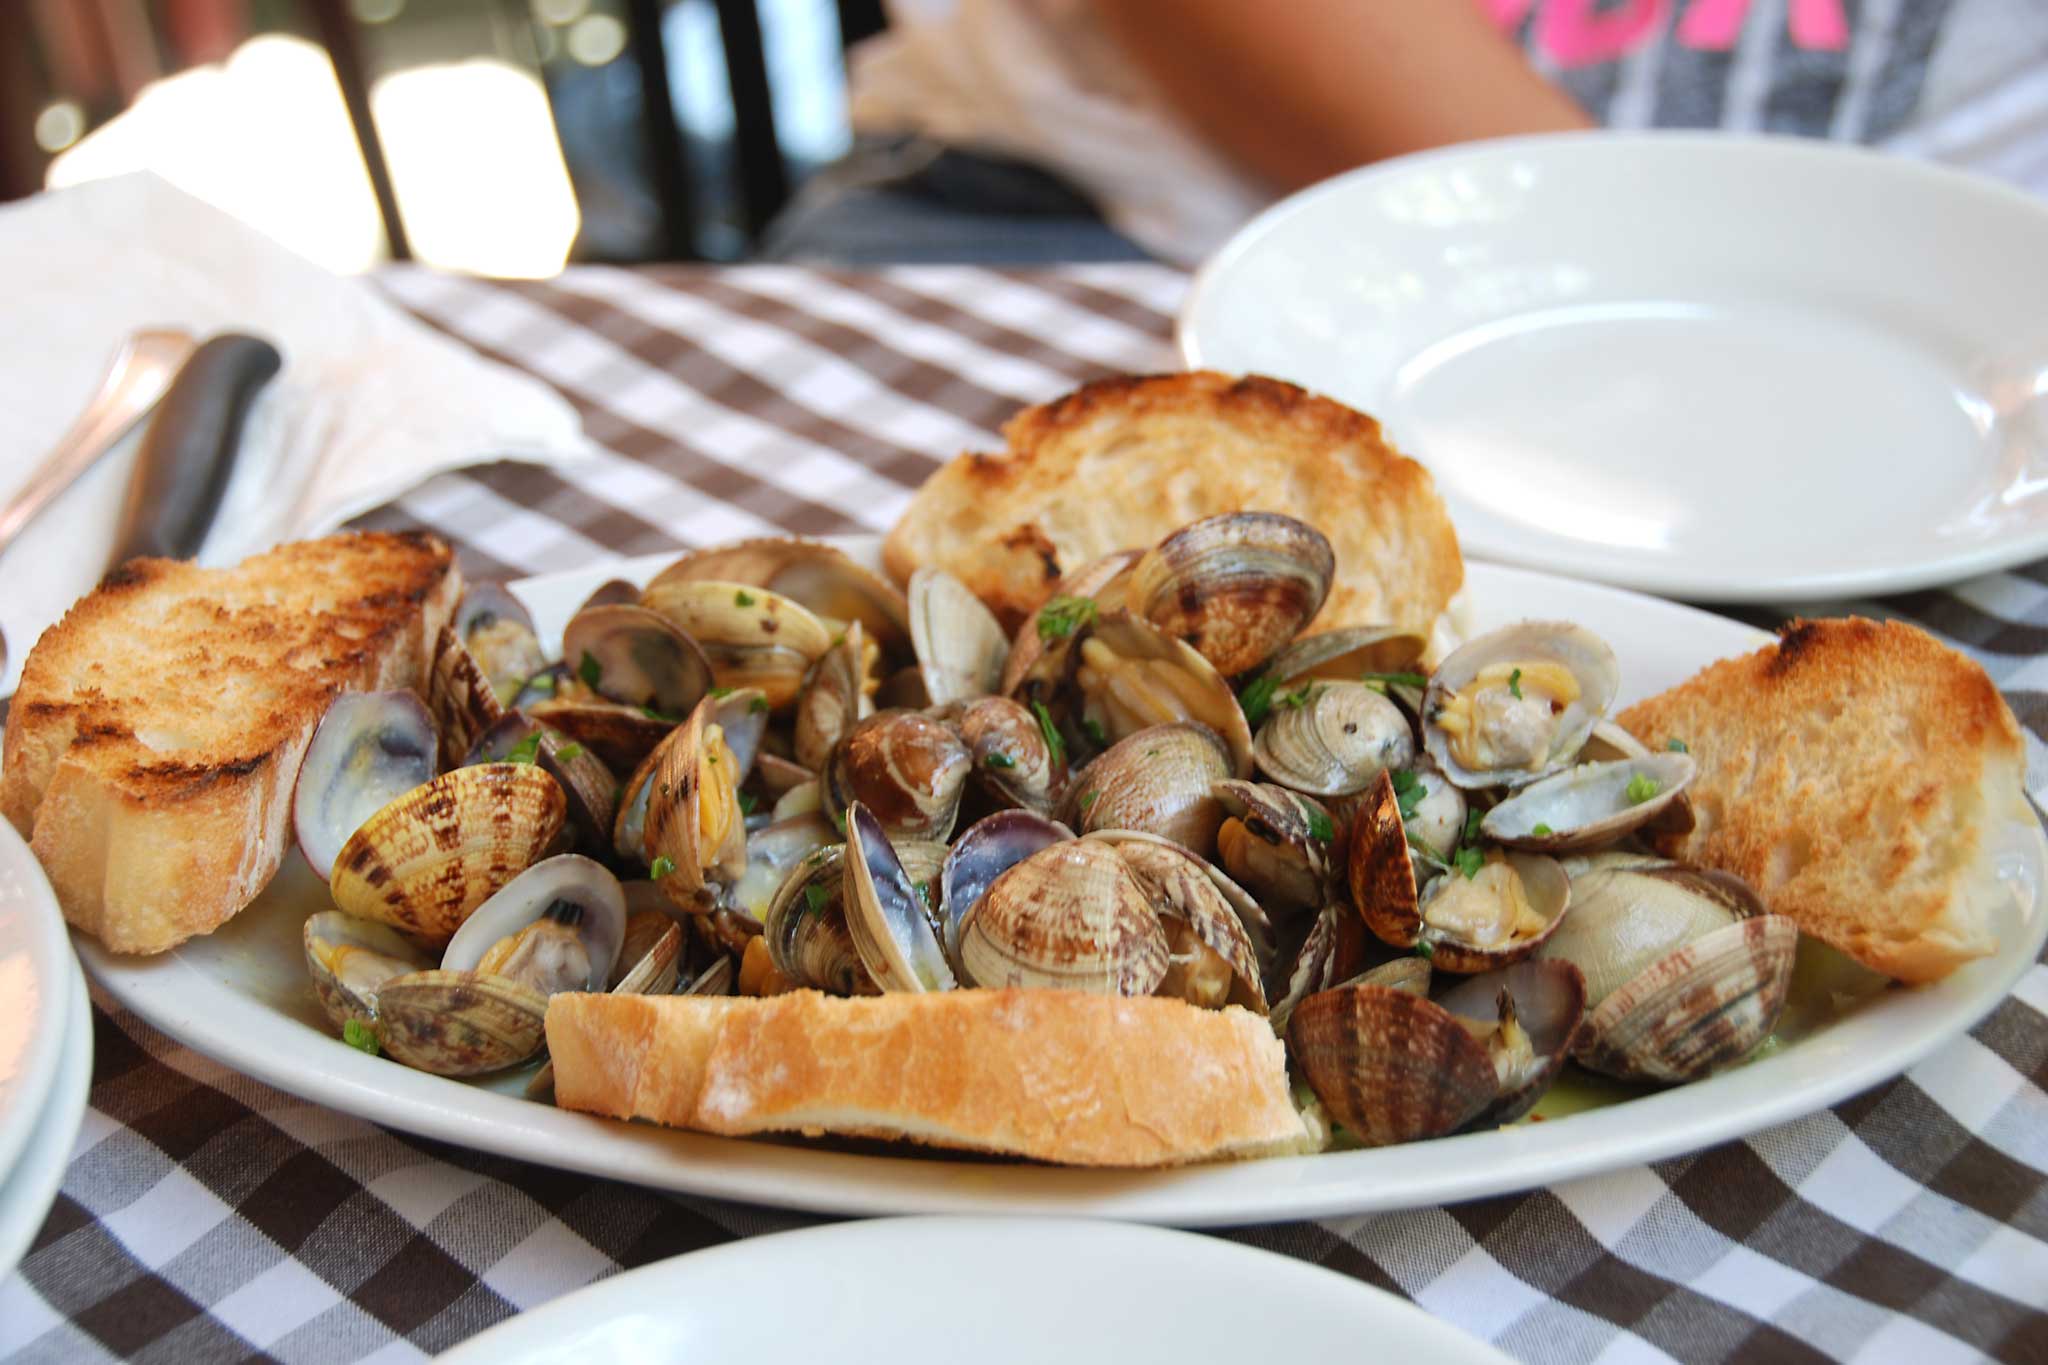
x: 1061, y: 1076
x: 1121, y: 463
x: 157, y: 732
x: 1859, y: 775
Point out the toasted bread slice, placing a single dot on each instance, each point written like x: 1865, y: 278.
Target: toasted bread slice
x: 1856, y: 774
x: 1086, y: 1080
x: 158, y: 729
x: 1121, y: 463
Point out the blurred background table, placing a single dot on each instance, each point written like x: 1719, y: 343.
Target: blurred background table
x: 205, y: 1216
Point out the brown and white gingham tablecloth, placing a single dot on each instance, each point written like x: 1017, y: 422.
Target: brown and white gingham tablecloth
x: 205, y: 1216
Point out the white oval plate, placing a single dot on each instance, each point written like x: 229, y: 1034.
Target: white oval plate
x: 1719, y: 368
x: 31, y: 1187
x: 930, y: 1291
x: 35, y: 993
x: 242, y: 996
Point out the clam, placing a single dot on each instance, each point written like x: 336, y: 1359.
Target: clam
x: 1333, y: 953
x: 989, y: 848
x: 818, y: 576
x: 906, y: 767
x: 903, y: 690
x: 460, y: 1023
x: 960, y: 647
x: 1492, y: 913
x: 1210, y: 958
x: 888, y: 914
x: 558, y: 926
x: 1071, y: 916
x: 1517, y: 704
x: 1610, y: 740
x: 621, y: 736
x: 1278, y: 844
x: 460, y: 696
x: 352, y: 959
x: 591, y: 790
x: 834, y: 698
x: 539, y: 688
x: 695, y: 835
x: 1332, y: 739
x: 629, y: 826
x: 369, y: 749
x: 612, y: 592
x: 752, y: 636
x: 1390, y: 1065
x: 1236, y: 587
x: 1528, y: 1015
x: 1128, y: 675
x: 636, y: 657
x: 1593, y: 804
x: 1683, y: 974
x: 1160, y: 780
x: 773, y: 852
x: 1435, y: 810
x: 1078, y: 597
x: 1010, y: 757
x: 429, y: 858
x: 1348, y: 654
x: 651, y: 956
x: 805, y: 929
x: 500, y: 637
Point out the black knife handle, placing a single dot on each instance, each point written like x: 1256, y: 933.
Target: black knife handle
x: 188, y: 450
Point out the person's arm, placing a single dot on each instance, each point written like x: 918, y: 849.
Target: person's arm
x: 1298, y: 90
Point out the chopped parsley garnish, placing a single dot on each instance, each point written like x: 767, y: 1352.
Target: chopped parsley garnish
x: 1089, y: 799
x: 1641, y: 788
x: 1319, y: 825
x: 1472, y: 819
x: 590, y: 670
x: 1093, y: 728
x: 721, y: 692
x: 360, y: 1036
x: 1397, y: 679
x: 743, y: 598
x: 1677, y: 746
x: 1541, y: 830
x: 569, y: 752
x: 540, y: 682
x: 999, y: 759
x: 525, y: 751
x: 1062, y: 616
x: 1056, y: 746
x: 815, y: 898
x: 653, y: 714
x: 924, y: 893
x: 749, y: 803
x: 1515, y: 684
x: 1468, y: 860
x: 1299, y: 697
x: 661, y: 867
x: 1408, y: 792
x: 1257, y: 698
x: 1424, y: 949
x: 756, y: 705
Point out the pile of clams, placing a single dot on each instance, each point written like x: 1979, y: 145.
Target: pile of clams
x: 769, y: 769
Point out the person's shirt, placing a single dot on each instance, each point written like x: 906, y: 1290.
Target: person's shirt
x: 1962, y: 81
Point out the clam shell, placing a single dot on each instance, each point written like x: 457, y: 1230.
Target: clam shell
x: 834, y: 699
x: 460, y: 1023
x: 1182, y: 888
x: 429, y: 858
x: 650, y: 958
x: 1237, y: 587
x: 1378, y: 869
x: 1161, y: 781
x: 1011, y: 760
x: 690, y: 771
x: 351, y: 959
x: 887, y: 916
x: 460, y: 696
x: 820, y: 577
x: 1549, y: 893
x: 536, y: 892
x: 773, y: 853
x: 1625, y: 918
x: 592, y: 791
x: 1101, y: 581
x: 621, y: 736
x: 908, y: 769
x: 989, y: 848
x: 1335, y: 742
x: 1128, y: 675
x: 1279, y: 845
x: 1251, y: 917
x: 1349, y: 653
x: 1549, y: 1002
x: 1588, y: 806
x: 1069, y: 917
x: 1700, y: 1007
x: 960, y: 646
x: 1592, y: 666
x: 1390, y: 1065
x: 500, y: 637
x: 810, y: 943
x: 1333, y: 953
x: 636, y: 657
x: 369, y: 749
x: 752, y: 636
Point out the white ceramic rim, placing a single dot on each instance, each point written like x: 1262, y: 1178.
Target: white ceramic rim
x: 1706, y: 583
x: 31, y: 1187
x: 50, y: 967
x: 1870, y: 1046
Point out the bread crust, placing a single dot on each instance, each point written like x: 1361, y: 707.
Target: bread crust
x: 1122, y: 462
x: 1056, y: 1076
x: 1853, y: 773
x: 156, y: 736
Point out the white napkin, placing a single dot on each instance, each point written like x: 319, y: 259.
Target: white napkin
x: 368, y: 404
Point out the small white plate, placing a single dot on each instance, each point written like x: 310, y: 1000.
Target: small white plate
x: 241, y: 995
x: 1714, y: 367
x: 943, y: 1291
x: 31, y: 1187
x: 36, y: 972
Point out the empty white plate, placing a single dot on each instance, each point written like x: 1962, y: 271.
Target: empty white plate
x: 36, y: 975
x: 1713, y: 367
x: 943, y: 1291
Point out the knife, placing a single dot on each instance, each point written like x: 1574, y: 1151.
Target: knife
x: 187, y: 453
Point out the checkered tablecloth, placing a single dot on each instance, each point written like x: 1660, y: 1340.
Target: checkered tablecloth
x: 205, y: 1216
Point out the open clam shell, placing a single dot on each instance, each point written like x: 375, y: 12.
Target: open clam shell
x: 1548, y: 1001
x: 1625, y: 917
x: 1332, y: 739
x: 369, y: 749
x: 1011, y: 760
x: 1237, y: 587
x: 805, y: 927
x: 1496, y: 917
x: 1101, y: 582
x: 907, y: 768
x: 351, y: 960
x: 1517, y: 704
x: 592, y: 791
x: 1160, y: 780
x: 1279, y: 845
x: 569, y: 892
x: 834, y: 699
x: 887, y: 913
x: 961, y: 648
x: 990, y: 847
x: 460, y: 1023
x: 429, y: 858
x: 752, y: 636
x: 636, y: 657
x: 1390, y: 1065
x: 820, y: 577
x: 500, y: 637
x: 621, y: 736
x: 1333, y: 953
x: 1592, y: 804
x: 1070, y: 917
x: 695, y: 833
x: 1350, y: 654
x: 460, y: 696
x: 1251, y: 916
x: 1211, y: 961
x: 1128, y: 675
x: 773, y: 852
x: 1700, y: 1007
x: 1610, y: 740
